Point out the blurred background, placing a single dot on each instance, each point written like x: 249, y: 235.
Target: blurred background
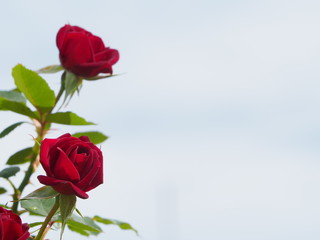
x: 213, y: 123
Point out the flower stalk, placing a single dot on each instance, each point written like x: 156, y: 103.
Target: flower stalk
x: 43, y: 230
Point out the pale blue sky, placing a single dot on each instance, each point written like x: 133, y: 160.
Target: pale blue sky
x: 214, y: 124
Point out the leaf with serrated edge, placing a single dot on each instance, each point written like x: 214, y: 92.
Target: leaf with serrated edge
x: 86, y: 222
x: 89, y: 229
x: 78, y: 230
x: 45, y: 192
x: 9, y: 172
x: 13, y: 95
x: 9, y: 129
x: 34, y: 224
x: 67, y: 205
x: 51, y: 69
x: 122, y: 225
x: 34, y: 87
x: 2, y: 190
x: 20, y: 157
x: 67, y: 118
x: 94, y: 136
x: 40, y: 207
x: 17, y: 107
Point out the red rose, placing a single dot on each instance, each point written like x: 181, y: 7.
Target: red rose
x: 11, y: 227
x: 73, y: 165
x: 83, y: 53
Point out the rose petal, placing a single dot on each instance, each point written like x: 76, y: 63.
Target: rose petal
x: 88, y: 164
x: 80, y: 163
x: 12, y: 229
x: 88, y: 70
x: 61, y: 35
x: 64, y: 187
x: 67, y: 144
x: 25, y: 228
x: 85, y: 183
x: 14, y: 216
x: 64, y: 169
x: 96, y: 43
x: 110, y: 55
x: 95, y: 175
x: 98, y: 179
x: 85, y: 139
x: 46, y: 145
x: 1, y: 230
x: 65, y: 136
x: 69, y: 29
x: 75, y: 50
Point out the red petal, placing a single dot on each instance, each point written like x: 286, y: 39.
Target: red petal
x: 12, y: 229
x: 75, y: 50
x: 61, y: 34
x: 64, y: 187
x: 85, y: 139
x: 81, y: 163
x: 25, y: 228
x: 110, y: 55
x: 46, y: 145
x: 65, y: 135
x: 94, y: 177
x: 68, y: 29
x: 88, y: 70
x: 96, y: 43
x: 64, y: 169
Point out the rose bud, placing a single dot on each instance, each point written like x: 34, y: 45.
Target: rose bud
x: 11, y: 227
x: 73, y: 165
x: 83, y: 53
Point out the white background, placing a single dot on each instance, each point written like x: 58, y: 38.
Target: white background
x: 213, y: 124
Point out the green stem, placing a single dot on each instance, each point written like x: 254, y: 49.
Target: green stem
x: 15, y: 190
x: 12, y: 185
x: 32, y: 167
x: 61, y: 90
x: 48, y: 219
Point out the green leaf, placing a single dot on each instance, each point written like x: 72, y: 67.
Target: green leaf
x: 9, y: 172
x: 122, y: 225
x: 51, y: 69
x: 2, y: 190
x: 67, y: 205
x: 101, y: 77
x: 5, y: 206
x: 40, y: 207
x: 34, y: 87
x: 79, y: 230
x: 20, y: 157
x: 16, y: 107
x: 79, y: 213
x: 9, y: 129
x: 71, y: 83
x: 67, y: 118
x: 89, y: 222
x: 95, y: 137
x: 34, y: 224
x: 45, y: 192
x: 13, y: 95
x: 83, y: 225
x: 86, y: 224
